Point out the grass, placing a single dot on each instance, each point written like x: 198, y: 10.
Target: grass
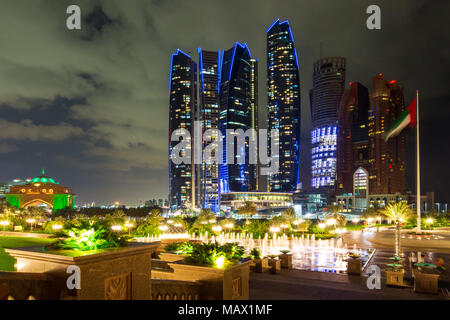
x: 6, y: 261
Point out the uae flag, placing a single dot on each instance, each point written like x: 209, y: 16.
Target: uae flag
x: 408, y: 118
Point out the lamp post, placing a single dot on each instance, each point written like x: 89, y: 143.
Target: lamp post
x: 4, y: 223
x: 129, y: 225
x: 31, y: 221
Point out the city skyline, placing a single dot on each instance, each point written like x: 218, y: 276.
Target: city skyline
x: 106, y: 136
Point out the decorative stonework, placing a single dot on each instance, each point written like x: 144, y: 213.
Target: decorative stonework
x: 118, y: 288
x: 236, y: 288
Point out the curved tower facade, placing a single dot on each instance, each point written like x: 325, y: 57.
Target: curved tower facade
x: 283, y: 90
x: 325, y: 97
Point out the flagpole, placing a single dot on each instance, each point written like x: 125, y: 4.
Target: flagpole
x: 418, y: 166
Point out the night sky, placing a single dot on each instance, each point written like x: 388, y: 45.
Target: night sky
x: 91, y: 106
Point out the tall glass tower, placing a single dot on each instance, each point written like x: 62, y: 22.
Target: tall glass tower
x: 325, y: 97
x: 209, y: 116
x: 236, y: 112
x: 182, y: 109
x: 283, y: 89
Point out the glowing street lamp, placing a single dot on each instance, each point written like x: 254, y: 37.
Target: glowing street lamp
x: 116, y: 227
x: 57, y: 227
x: 322, y: 225
x: 217, y: 228
x: 129, y: 225
x: 163, y: 228
x: 212, y: 221
x: 229, y: 226
x: 31, y: 221
x: 274, y: 230
x: 429, y: 221
x: 297, y: 222
x: 4, y: 223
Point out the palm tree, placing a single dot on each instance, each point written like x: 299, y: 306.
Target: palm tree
x: 247, y: 210
x: 334, y: 212
x: 155, y: 212
x: 289, y: 214
x: 372, y: 211
x: 398, y: 212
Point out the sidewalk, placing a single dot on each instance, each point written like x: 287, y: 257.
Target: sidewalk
x: 299, y: 285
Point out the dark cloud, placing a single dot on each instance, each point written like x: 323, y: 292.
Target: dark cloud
x: 96, y: 100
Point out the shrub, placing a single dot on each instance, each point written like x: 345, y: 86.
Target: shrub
x: 90, y: 235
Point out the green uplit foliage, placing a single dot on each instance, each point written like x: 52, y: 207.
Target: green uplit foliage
x: 210, y: 254
x: 255, y: 254
x: 150, y: 227
x: 89, y: 235
x: 258, y: 228
x: 183, y: 248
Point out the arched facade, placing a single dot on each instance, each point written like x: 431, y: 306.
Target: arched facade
x: 40, y: 191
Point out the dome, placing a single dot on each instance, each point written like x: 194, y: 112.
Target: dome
x: 43, y: 179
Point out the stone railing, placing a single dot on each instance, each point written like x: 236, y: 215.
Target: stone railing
x: 175, y: 290
x: 31, y: 286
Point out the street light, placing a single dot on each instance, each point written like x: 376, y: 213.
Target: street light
x: 31, y: 221
x: 229, y: 226
x: 322, y: 225
x: 116, y: 227
x: 217, y: 228
x: 4, y: 223
x: 129, y: 225
x: 57, y: 227
x: 163, y: 228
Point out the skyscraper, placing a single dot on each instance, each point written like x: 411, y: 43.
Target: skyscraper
x: 209, y: 116
x: 236, y: 112
x: 352, y: 137
x: 386, y: 159
x: 325, y: 96
x: 182, y: 109
x: 283, y: 90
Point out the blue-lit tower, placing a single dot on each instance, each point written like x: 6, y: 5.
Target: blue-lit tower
x: 325, y: 97
x: 283, y: 90
x: 236, y: 103
x: 182, y: 110
x: 209, y: 116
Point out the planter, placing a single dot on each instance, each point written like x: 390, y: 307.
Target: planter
x: 110, y: 274
x: 286, y: 260
x: 354, y: 266
x: 259, y: 265
x: 171, y: 257
x: 216, y: 284
x: 274, y: 266
x: 425, y: 282
x: 395, y: 277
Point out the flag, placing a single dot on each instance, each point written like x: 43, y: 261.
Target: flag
x: 408, y: 118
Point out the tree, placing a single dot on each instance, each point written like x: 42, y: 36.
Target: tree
x: 248, y: 209
x: 334, y: 212
x: 372, y: 211
x: 155, y: 212
x: 289, y: 214
x: 398, y: 212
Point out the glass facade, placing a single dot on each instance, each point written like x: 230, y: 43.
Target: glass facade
x: 324, y: 141
x: 209, y: 116
x: 182, y: 109
x: 325, y: 96
x: 283, y: 91
x: 236, y: 112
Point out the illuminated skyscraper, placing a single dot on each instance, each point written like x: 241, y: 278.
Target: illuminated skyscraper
x: 386, y: 159
x: 182, y: 109
x: 209, y: 116
x: 352, y: 138
x: 236, y: 112
x: 325, y: 96
x: 283, y: 90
